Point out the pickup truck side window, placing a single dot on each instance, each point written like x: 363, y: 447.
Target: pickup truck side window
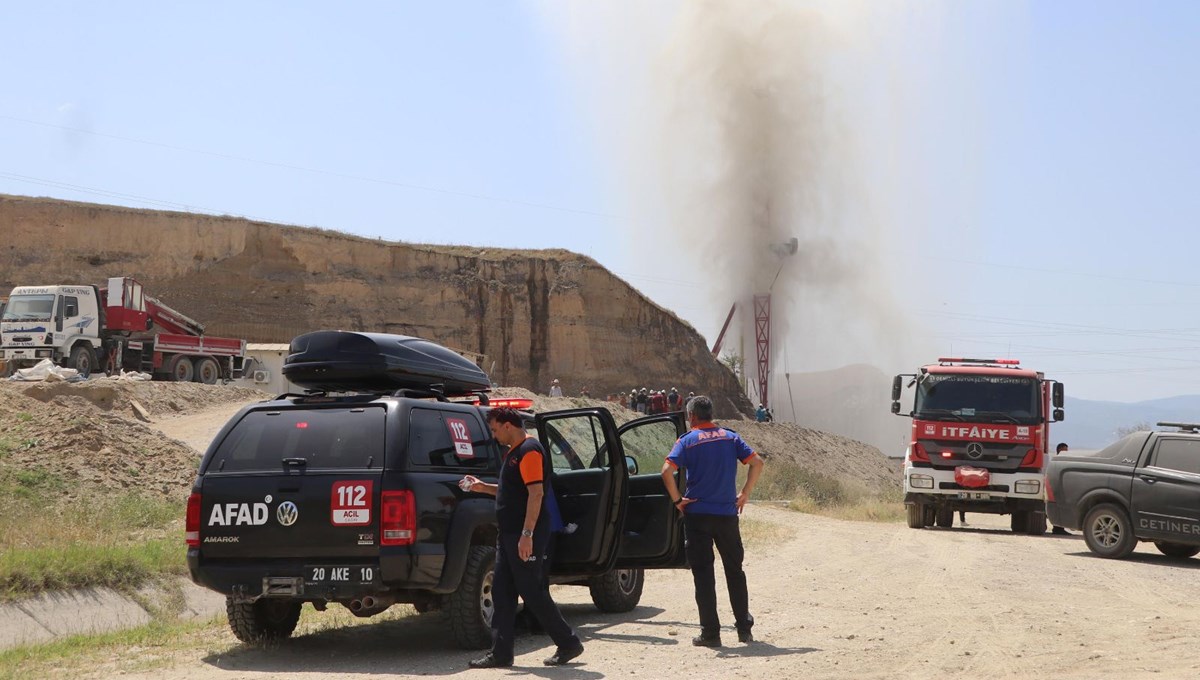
x: 448, y: 439
x: 575, y: 444
x: 1182, y: 455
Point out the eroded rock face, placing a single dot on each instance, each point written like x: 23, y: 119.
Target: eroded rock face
x: 533, y: 315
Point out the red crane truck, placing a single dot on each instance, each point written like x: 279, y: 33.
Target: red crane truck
x: 111, y: 328
x: 980, y: 431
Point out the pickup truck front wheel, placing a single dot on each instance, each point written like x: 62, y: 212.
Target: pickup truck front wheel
x: 1176, y: 549
x: 1108, y: 531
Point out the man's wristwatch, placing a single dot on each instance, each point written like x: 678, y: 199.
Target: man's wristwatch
x: 677, y: 501
x: 527, y: 532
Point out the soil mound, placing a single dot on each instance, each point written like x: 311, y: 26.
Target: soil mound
x: 84, y: 438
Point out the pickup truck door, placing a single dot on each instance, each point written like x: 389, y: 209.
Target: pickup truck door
x: 1166, y: 492
x: 590, y: 482
x: 652, y: 535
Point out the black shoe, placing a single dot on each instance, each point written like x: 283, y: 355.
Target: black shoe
x: 489, y: 661
x: 707, y: 640
x: 562, y: 655
x: 1060, y: 531
x: 745, y: 636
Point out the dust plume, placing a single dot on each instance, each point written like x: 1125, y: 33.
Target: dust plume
x: 742, y: 125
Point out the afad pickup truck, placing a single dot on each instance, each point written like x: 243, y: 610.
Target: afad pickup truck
x: 1144, y: 487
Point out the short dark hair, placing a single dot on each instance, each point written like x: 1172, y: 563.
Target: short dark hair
x: 1061, y: 446
x: 701, y: 407
x: 505, y: 414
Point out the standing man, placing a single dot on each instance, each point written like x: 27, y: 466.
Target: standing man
x: 710, y: 455
x: 1060, y: 449
x: 555, y: 389
x: 524, y: 532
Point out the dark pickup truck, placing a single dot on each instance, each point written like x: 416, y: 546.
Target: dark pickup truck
x: 1143, y: 487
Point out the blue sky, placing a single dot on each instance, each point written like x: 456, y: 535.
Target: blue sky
x: 1033, y: 165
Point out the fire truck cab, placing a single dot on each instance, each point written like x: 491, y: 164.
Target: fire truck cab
x: 980, y: 431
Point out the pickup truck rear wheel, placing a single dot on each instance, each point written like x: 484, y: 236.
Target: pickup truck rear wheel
x: 1176, y: 549
x: 1108, y: 531
x: 916, y: 515
x: 470, y: 607
x: 618, y: 590
x: 263, y: 620
x: 945, y: 517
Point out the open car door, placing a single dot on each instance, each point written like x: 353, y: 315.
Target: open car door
x: 590, y: 481
x: 652, y: 535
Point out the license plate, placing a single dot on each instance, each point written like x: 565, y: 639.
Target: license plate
x: 357, y: 574
x: 975, y: 495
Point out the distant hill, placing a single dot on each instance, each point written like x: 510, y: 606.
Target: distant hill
x: 1093, y: 424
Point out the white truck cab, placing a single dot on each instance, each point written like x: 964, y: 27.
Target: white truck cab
x: 60, y: 323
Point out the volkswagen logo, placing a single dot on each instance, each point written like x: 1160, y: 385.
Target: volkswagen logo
x: 974, y: 452
x: 287, y: 513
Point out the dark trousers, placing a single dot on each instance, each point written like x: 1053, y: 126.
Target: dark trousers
x: 701, y: 532
x: 514, y: 578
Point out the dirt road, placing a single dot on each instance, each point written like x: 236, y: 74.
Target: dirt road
x: 833, y: 599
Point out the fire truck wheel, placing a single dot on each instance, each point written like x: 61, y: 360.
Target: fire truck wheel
x: 83, y: 359
x: 930, y: 516
x: 206, y: 370
x: 1108, y: 531
x: 180, y: 368
x: 1176, y: 549
x: 916, y: 515
x: 1035, y: 524
x: 945, y: 517
x: 1018, y: 521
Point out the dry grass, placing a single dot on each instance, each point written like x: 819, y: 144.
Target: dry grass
x: 49, y: 541
x: 814, y: 493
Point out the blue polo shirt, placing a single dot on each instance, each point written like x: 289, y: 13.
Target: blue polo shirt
x: 711, y: 455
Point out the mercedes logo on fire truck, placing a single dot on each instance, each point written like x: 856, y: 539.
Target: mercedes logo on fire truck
x: 287, y: 513
x: 974, y: 451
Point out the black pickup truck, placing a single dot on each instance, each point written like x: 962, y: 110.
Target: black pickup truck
x: 1143, y: 487
x: 353, y: 499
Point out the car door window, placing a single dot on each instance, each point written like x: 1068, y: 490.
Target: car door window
x: 649, y: 444
x: 1182, y: 455
x: 576, y: 443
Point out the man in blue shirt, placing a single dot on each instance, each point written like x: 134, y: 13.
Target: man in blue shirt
x: 710, y: 455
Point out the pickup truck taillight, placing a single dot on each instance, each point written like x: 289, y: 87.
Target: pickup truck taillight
x: 917, y: 454
x: 1049, y: 491
x: 192, y: 525
x: 398, y: 519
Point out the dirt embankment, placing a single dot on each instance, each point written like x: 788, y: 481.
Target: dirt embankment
x: 89, y: 438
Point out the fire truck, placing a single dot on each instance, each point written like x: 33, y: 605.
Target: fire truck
x: 112, y: 328
x: 980, y: 432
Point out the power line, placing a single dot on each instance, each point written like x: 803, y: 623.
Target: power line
x: 329, y: 173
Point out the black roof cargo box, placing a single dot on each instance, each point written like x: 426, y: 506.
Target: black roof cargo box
x: 343, y: 361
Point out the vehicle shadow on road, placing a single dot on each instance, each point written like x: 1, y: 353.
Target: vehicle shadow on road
x: 1147, y: 558
x: 420, y: 645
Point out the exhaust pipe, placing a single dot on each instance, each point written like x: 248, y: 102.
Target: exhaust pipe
x: 367, y: 602
x: 356, y: 606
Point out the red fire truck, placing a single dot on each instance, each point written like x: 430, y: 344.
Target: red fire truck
x: 980, y: 431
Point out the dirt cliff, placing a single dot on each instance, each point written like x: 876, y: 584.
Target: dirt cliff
x: 533, y: 315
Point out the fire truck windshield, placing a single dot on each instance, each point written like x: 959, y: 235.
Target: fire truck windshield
x: 978, y: 398
x: 29, y: 308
